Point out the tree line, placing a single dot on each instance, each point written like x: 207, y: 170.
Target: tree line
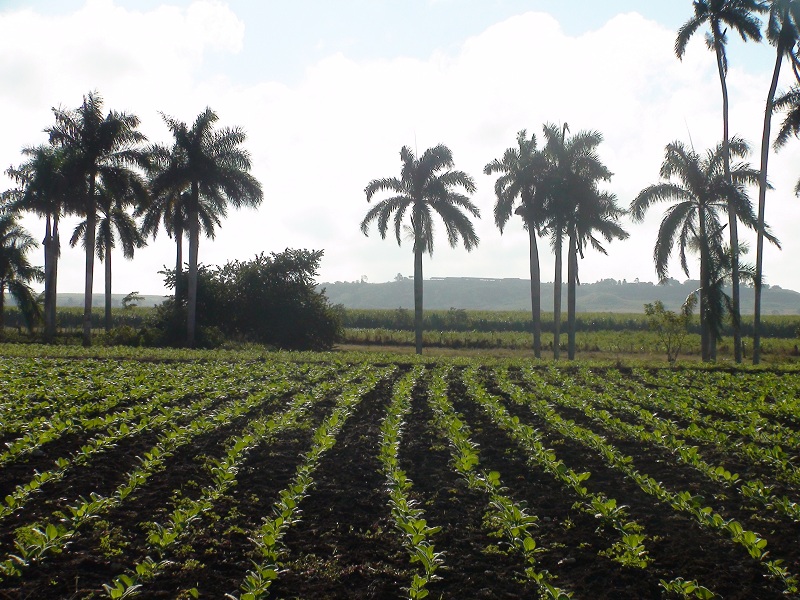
x: 555, y: 191
x: 99, y: 166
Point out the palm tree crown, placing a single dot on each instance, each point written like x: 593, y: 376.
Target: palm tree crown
x: 597, y: 218
x: 16, y: 272
x: 424, y: 190
x: 720, y: 15
x: 700, y: 190
x: 522, y: 171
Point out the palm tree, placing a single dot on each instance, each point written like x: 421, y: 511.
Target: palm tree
x: 721, y: 15
x: 170, y: 208
x: 426, y: 186
x: 596, y: 214
x: 574, y: 170
x: 104, y: 148
x: 113, y: 216
x: 783, y: 32
x: 522, y: 171
x: 42, y: 181
x: 15, y: 271
x: 700, y: 191
x: 211, y: 164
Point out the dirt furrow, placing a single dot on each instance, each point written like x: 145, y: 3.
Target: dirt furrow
x: 475, y: 563
x: 345, y: 545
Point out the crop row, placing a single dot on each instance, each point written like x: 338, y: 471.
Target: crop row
x: 36, y: 540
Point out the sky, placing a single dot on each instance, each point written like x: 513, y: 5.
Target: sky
x: 329, y: 92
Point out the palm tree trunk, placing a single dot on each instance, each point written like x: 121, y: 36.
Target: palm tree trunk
x: 91, y: 224
x: 194, y: 239
x: 712, y: 352
x: 732, y: 216
x: 572, y: 280
x: 703, y: 324
x: 56, y: 250
x: 48, y: 268
x: 762, y: 200
x: 178, y: 264
x: 2, y: 310
x: 536, y: 293
x: 108, y: 286
x: 557, y: 302
x: 704, y: 286
x: 418, y: 296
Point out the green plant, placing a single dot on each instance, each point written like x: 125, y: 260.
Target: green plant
x: 671, y: 328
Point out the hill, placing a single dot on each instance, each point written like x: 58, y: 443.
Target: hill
x: 608, y: 295
x: 98, y: 300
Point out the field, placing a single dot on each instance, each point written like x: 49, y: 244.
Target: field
x: 590, y: 345
x: 253, y: 475
x: 603, y: 336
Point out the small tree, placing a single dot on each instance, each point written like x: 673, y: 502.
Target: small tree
x: 132, y: 300
x: 271, y: 300
x: 670, y: 327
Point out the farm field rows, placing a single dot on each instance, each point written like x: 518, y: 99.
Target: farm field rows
x: 347, y: 477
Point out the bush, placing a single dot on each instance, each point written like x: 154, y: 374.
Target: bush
x: 671, y: 328
x: 124, y: 335
x: 270, y: 300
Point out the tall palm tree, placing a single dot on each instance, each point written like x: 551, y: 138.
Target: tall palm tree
x: 574, y: 170
x: 43, y: 187
x: 596, y: 216
x: 522, y: 171
x: 701, y: 191
x: 783, y: 32
x: 211, y: 164
x: 113, y: 221
x: 720, y: 15
x: 170, y: 208
x: 104, y: 149
x: 426, y: 186
x: 16, y: 272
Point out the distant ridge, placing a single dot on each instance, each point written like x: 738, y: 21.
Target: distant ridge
x: 99, y: 300
x: 477, y: 293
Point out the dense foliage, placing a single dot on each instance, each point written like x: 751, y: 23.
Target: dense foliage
x: 271, y: 300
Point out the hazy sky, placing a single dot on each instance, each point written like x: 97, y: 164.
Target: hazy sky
x: 329, y: 91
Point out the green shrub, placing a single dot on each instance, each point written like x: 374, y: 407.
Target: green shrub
x: 270, y: 300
